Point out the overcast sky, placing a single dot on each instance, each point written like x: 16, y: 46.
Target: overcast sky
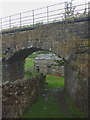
x: 9, y: 7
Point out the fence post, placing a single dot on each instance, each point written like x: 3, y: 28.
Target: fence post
x: 47, y: 15
x: 20, y: 20
x: 10, y: 22
x: 33, y: 17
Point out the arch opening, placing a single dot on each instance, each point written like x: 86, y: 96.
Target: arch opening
x: 14, y: 67
x: 46, y: 63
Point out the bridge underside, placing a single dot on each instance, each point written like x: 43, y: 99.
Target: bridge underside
x: 13, y: 68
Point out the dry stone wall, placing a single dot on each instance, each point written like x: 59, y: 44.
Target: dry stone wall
x: 47, y: 64
x: 19, y: 95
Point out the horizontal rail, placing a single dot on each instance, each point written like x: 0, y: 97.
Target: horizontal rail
x: 40, y: 13
x: 27, y: 16
x: 26, y: 23
x: 55, y: 10
x: 15, y: 19
x: 26, y: 20
x: 45, y: 15
x: 56, y: 4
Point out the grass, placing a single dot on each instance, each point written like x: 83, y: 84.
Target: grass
x: 29, y: 75
x: 42, y: 23
x: 74, y: 111
x: 45, y: 109
x: 50, y: 107
x: 54, y: 81
x: 29, y: 64
x: 18, y: 27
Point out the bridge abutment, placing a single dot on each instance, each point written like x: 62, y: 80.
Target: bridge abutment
x: 76, y: 81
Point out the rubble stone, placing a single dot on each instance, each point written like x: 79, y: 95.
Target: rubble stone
x: 17, y: 97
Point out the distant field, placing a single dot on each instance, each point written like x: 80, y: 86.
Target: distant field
x: 54, y: 81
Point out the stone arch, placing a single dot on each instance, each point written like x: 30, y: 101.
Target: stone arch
x: 13, y: 67
x: 52, y: 37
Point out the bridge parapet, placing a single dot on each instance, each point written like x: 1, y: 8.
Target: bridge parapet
x: 52, y: 37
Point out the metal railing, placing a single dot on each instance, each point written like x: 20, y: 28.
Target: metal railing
x: 44, y: 15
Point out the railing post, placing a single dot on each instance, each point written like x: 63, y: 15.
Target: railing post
x: 20, y: 20
x: 33, y: 17
x: 1, y: 23
x: 10, y: 22
x: 47, y: 15
x: 65, y: 14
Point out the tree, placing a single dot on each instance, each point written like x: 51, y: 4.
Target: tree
x: 69, y: 9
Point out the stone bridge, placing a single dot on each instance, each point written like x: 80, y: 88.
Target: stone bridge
x: 68, y: 39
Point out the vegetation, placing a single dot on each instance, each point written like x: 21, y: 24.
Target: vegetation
x: 29, y: 63
x: 54, y: 81
x: 50, y: 107
x: 18, y: 27
x: 59, y: 62
x: 29, y: 67
x: 45, y: 109
x: 70, y: 12
x: 73, y: 110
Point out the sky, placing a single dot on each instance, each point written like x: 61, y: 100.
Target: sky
x: 9, y: 7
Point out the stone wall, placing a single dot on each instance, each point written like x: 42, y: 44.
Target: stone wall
x: 48, y: 66
x: 76, y: 80
x: 19, y: 95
